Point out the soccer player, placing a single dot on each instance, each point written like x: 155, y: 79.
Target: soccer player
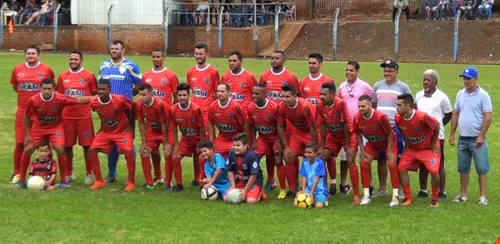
x: 240, y: 80
x: 153, y: 116
x: 215, y: 169
x: 203, y: 80
x: 310, y: 86
x: 420, y: 132
x: 45, y: 109
x: 244, y: 170
x: 77, y: 119
x: 26, y: 80
x: 263, y: 119
x: 226, y: 115
x: 301, y: 115
x: 437, y: 104
x: 277, y: 76
x: 44, y: 166
x: 123, y: 75
x: 186, y: 117
x: 335, y: 127
x: 115, y: 112
x: 350, y: 90
x: 313, y: 175
x: 381, y: 144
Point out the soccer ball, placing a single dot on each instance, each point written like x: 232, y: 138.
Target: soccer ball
x: 234, y: 196
x: 209, y: 193
x: 36, y: 183
x: 303, y: 201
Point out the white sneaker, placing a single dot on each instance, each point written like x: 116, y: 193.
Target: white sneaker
x: 89, y: 180
x: 461, y: 198
x: 158, y: 181
x: 71, y: 178
x: 394, y: 202
x: 15, y: 179
x: 483, y: 201
x: 365, y: 201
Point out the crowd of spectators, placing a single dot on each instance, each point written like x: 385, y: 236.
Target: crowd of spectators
x: 447, y: 9
x: 36, y: 12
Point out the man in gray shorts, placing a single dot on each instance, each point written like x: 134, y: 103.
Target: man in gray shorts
x: 472, y: 116
x: 385, y: 95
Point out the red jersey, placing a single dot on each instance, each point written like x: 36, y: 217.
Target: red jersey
x: 375, y: 129
x: 203, y: 83
x: 302, y: 116
x: 114, y: 120
x: 153, y: 115
x: 189, y: 120
x: 310, y: 87
x: 276, y: 80
x: 265, y: 119
x: 334, y: 118
x: 48, y: 113
x: 77, y: 84
x: 164, y: 83
x: 44, y: 169
x: 229, y: 119
x: 29, y: 81
x: 418, y: 130
x: 241, y: 86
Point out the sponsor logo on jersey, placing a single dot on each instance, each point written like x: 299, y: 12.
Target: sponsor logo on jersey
x: 158, y: 93
x: 154, y: 125
x: 374, y: 138
x: 275, y: 95
x: 415, y: 140
x: 333, y: 128
x: 198, y: 92
x: 29, y: 87
x: 237, y: 97
x: 313, y: 100
x: 48, y: 119
x: 75, y: 93
x: 188, y: 131
x: 226, y: 128
x: 265, y: 129
x: 111, y: 122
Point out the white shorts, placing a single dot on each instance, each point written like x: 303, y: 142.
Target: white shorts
x: 343, y: 156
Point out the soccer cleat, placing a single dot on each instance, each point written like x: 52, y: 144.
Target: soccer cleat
x: 15, y: 178
x: 194, y: 183
x: 98, y: 185
x: 380, y: 193
x: 148, y: 187
x: 365, y: 201
x: 333, y: 189
x: 422, y: 194
x: 282, y: 194
x: 178, y: 188
x: 291, y: 194
x: 168, y: 187
x: 64, y: 185
x: 110, y: 179
x: 345, y: 189
x: 394, y: 202
x: 434, y: 204
x: 130, y: 187
x: 442, y: 195
x: 158, y: 181
x: 71, y: 178
x: 407, y: 202
x: 483, y: 201
x: 270, y: 186
x: 460, y: 198
x: 326, y: 203
x: 89, y: 179
x: 263, y: 196
x: 356, y: 201
x: 20, y: 184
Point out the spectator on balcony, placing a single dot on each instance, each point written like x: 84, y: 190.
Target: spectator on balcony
x: 12, y: 10
x: 26, y: 12
x: 45, y: 11
x: 200, y: 13
x: 404, y: 6
x: 484, y: 8
x: 430, y: 8
x: 226, y: 9
x: 468, y: 7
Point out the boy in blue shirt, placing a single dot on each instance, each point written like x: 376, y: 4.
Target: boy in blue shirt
x: 215, y: 168
x: 313, y: 176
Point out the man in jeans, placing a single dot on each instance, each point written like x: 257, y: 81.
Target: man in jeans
x: 472, y: 116
x: 403, y: 5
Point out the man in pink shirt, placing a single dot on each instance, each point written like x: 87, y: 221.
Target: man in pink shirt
x: 350, y: 90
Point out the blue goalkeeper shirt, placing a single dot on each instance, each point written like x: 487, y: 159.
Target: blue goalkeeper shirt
x: 122, y: 76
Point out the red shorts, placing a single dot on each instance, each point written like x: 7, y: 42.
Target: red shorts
x: 412, y: 158
x: 255, y: 192
x: 104, y: 141
x: 188, y: 145
x: 19, y: 127
x: 83, y: 129
x: 223, y: 145
x: 376, y: 152
x: 54, y: 136
x: 335, y: 146
x: 268, y: 147
x: 298, y: 141
x: 154, y: 141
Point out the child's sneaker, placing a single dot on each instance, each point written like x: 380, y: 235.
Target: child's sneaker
x: 483, y: 201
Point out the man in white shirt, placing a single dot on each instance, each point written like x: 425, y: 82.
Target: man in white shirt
x: 435, y: 103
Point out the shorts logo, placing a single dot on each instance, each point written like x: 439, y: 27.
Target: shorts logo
x: 433, y: 161
x: 163, y: 81
x: 58, y: 134
x: 86, y: 134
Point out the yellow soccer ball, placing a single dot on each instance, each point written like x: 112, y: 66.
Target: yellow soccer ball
x: 303, y: 201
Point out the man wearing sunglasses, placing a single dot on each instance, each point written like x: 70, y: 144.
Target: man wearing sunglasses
x: 385, y: 94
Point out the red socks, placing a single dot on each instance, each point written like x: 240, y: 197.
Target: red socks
x: 332, y: 168
x: 18, y: 153
x: 177, y: 169
x: 393, y: 170
x: 291, y: 175
x: 95, y: 165
x: 25, y: 162
x: 130, y: 158
x: 146, y: 168
x: 270, y: 168
x: 157, y: 167
x: 407, y: 191
x: 435, y: 192
x: 196, y: 170
x: 353, y: 171
x: 63, y: 166
x: 282, y: 176
x: 168, y: 170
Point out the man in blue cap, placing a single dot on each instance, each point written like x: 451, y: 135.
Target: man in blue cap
x: 472, y: 116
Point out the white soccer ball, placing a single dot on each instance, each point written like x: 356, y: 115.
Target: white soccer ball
x: 210, y: 193
x: 234, y: 196
x: 36, y: 183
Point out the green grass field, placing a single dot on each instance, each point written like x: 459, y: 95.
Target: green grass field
x: 112, y: 215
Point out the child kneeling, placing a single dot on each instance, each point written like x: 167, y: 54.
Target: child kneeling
x: 215, y: 168
x: 44, y: 166
x: 313, y: 176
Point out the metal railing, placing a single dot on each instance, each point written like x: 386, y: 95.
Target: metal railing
x: 56, y: 27
x: 357, y: 6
